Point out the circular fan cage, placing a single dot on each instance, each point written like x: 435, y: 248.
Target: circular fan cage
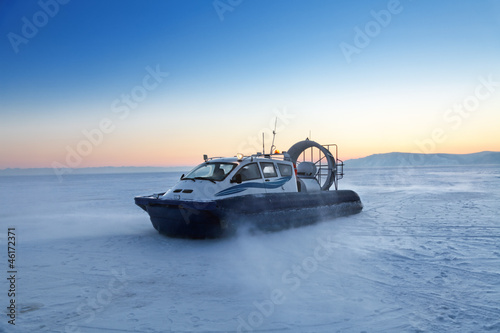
x: 321, y: 159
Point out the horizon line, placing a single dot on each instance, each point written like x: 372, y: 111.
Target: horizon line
x: 190, y: 166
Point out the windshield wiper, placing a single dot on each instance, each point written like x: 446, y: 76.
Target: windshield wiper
x: 185, y: 178
x: 203, y: 178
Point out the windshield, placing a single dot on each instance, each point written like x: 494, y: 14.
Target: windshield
x: 211, y: 171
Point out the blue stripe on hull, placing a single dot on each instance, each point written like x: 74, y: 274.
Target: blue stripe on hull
x: 244, y: 186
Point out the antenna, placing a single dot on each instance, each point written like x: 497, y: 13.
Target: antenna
x: 263, y: 149
x: 274, y: 135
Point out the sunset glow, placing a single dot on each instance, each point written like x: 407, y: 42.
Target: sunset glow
x: 160, y: 83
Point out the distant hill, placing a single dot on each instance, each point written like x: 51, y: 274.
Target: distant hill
x: 412, y: 159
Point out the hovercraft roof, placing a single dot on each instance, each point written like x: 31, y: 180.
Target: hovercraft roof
x: 259, y: 156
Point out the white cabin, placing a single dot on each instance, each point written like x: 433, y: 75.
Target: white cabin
x: 219, y: 178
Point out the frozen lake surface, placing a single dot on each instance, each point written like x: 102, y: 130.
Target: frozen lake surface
x: 423, y: 256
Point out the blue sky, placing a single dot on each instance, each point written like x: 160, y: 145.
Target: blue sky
x: 228, y: 78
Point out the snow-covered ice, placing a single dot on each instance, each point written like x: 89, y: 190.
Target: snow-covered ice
x: 423, y: 256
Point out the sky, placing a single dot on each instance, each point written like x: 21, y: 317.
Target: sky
x: 162, y: 82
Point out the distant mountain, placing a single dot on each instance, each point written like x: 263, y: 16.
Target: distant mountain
x: 412, y: 159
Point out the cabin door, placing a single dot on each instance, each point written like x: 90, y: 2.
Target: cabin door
x: 272, y: 181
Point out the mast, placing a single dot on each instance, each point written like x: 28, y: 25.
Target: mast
x: 274, y: 135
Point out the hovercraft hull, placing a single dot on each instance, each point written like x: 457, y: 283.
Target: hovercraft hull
x: 266, y: 212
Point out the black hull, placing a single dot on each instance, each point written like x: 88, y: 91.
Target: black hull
x: 266, y: 212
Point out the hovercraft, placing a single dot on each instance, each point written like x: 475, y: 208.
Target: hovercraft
x: 267, y: 192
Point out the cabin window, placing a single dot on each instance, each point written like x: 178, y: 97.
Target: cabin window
x: 250, y: 172
x: 268, y: 169
x: 285, y: 170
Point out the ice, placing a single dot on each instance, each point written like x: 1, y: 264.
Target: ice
x: 422, y: 256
